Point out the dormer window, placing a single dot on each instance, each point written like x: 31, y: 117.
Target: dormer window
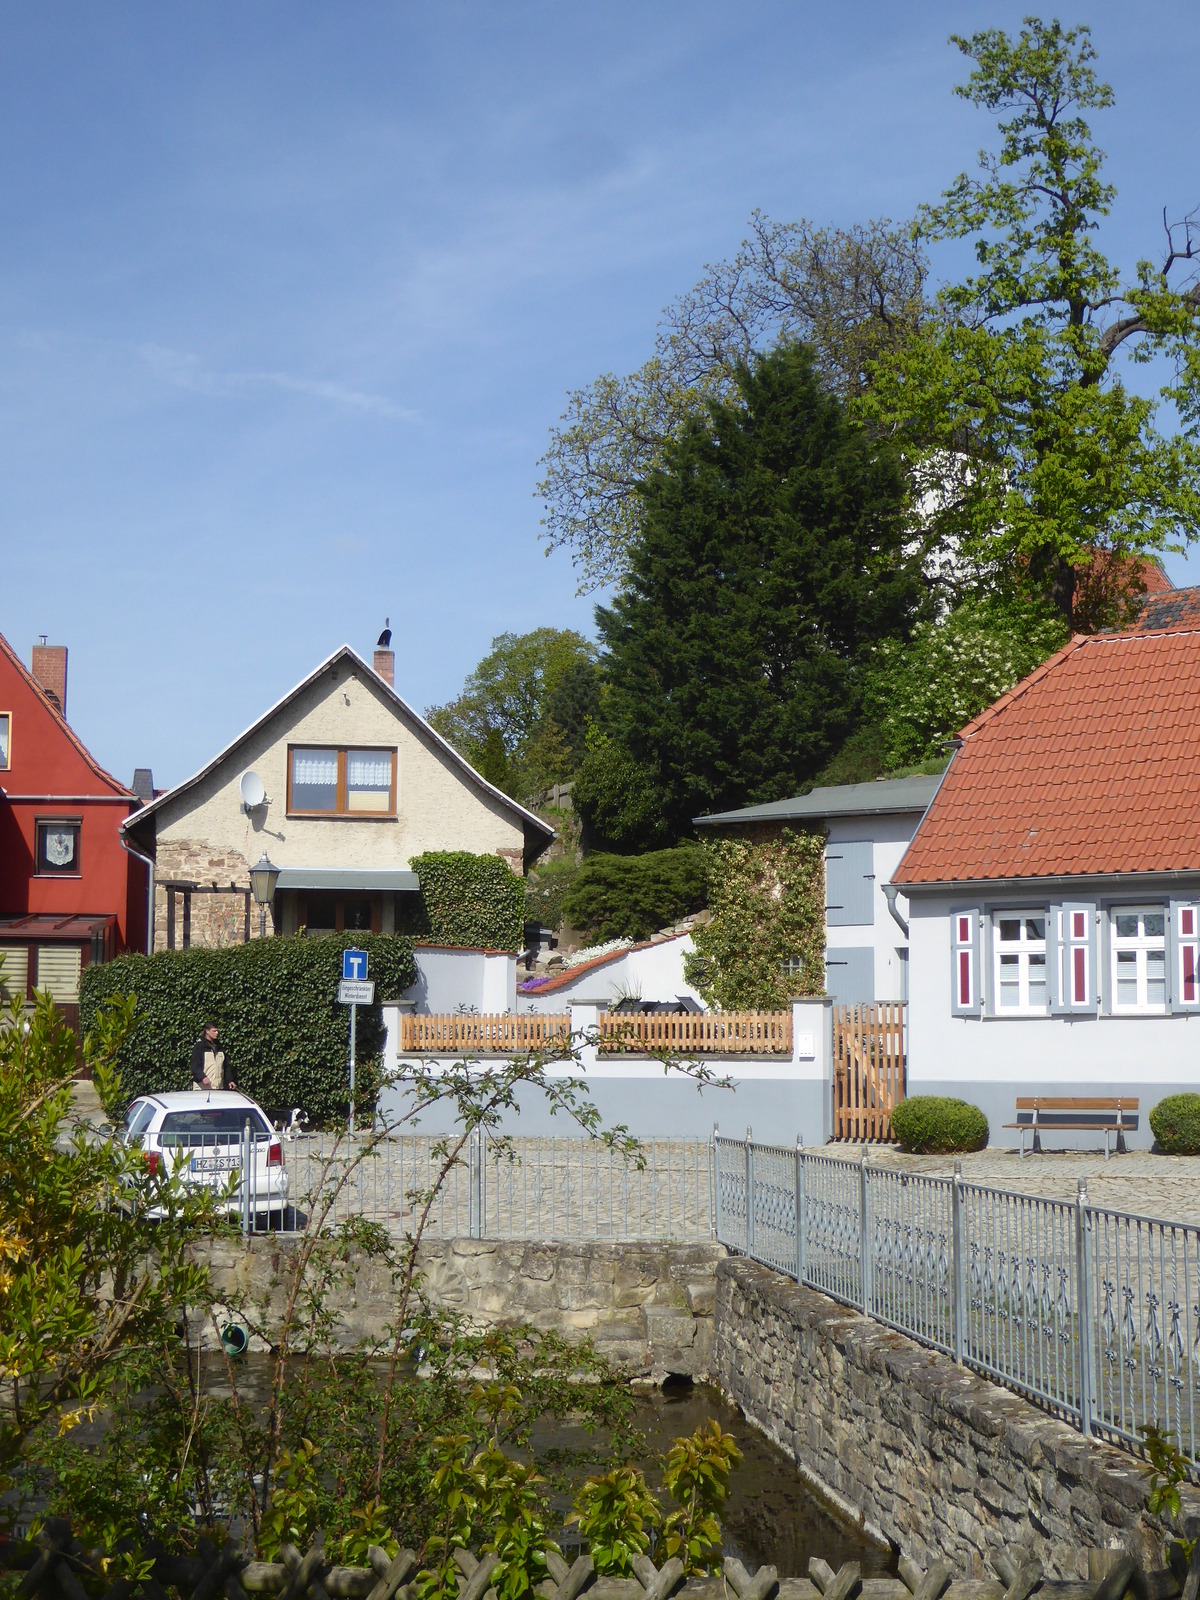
x: 325, y: 781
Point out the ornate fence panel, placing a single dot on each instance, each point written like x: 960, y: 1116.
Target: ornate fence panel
x: 522, y: 1188
x: 1094, y: 1313
x: 868, y: 1062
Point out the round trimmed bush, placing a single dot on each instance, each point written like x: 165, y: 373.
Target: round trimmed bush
x: 1176, y: 1124
x: 934, y: 1124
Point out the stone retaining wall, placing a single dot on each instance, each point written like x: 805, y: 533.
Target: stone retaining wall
x: 649, y: 1307
x: 925, y: 1454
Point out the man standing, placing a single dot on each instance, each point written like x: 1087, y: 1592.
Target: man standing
x: 210, y: 1070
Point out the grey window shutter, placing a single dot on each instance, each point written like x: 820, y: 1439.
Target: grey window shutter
x: 849, y: 884
x: 1078, y: 959
x: 966, y: 986
x: 850, y: 975
x: 1183, y: 956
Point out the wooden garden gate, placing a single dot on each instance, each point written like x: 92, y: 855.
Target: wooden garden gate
x: 868, y: 1065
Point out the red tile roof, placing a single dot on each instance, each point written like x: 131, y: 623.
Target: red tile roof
x: 1173, y: 609
x: 1090, y: 765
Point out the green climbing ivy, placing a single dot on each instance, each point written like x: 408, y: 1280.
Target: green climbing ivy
x: 765, y: 943
x: 475, y: 902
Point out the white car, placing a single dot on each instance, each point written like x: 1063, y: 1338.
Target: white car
x: 202, y: 1136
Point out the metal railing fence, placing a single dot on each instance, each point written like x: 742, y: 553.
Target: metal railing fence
x: 521, y: 1188
x: 1091, y: 1311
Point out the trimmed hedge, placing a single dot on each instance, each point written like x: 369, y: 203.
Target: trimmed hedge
x: 1176, y: 1124
x: 631, y: 897
x: 934, y: 1124
x: 286, y: 1036
x: 474, y: 902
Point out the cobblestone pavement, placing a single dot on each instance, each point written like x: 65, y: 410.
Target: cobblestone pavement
x: 1150, y: 1185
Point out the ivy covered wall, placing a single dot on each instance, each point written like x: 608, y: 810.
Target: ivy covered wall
x: 475, y: 902
x: 765, y: 943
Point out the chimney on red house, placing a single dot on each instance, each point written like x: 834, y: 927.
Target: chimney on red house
x: 49, y: 668
x: 385, y: 657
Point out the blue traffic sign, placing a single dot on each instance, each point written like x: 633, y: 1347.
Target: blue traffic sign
x: 354, y: 963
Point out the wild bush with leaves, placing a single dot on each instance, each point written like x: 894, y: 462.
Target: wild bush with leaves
x: 92, y: 1285
x: 122, y: 1426
x: 619, y: 1517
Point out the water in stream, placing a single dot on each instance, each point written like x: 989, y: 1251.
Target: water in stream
x: 771, y: 1515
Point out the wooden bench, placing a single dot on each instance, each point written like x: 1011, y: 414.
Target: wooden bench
x: 1074, y: 1114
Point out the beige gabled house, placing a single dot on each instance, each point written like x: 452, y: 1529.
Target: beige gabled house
x: 341, y: 784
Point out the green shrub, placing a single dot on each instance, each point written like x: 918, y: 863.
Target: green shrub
x: 934, y: 1124
x: 474, y: 902
x: 1176, y: 1124
x: 631, y: 897
x: 547, y: 887
x: 286, y: 1036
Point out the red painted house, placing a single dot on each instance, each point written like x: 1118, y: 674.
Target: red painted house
x: 70, y: 893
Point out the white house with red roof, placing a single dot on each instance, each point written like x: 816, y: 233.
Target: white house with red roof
x: 1054, y: 884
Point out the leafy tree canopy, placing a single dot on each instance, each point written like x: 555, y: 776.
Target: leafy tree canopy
x: 1030, y: 452
x: 850, y: 293
x: 502, y: 722
x: 771, y: 559
x: 923, y: 690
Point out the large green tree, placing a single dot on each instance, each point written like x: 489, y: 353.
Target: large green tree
x: 1030, y: 452
x: 771, y: 558
x: 504, y: 721
x: 850, y: 293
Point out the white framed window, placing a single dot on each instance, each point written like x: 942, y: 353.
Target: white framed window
x: 1019, y: 950
x: 1139, y: 958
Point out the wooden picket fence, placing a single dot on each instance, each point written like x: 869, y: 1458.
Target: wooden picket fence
x: 703, y: 1033
x: 721, y: 1033
x: 868, y: 1068
x: 505, y: 1033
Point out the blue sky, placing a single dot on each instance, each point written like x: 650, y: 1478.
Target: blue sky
x: 290, y: 295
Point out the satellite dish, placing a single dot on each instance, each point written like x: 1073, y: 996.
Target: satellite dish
x: 252, y: 791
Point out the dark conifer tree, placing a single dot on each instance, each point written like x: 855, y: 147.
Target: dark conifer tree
x: 771, y: 558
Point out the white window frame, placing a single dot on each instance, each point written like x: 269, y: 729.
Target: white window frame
x: 1141, y: 944
x: 1023, y: 949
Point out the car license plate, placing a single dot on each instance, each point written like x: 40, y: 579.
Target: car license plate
x: 215, y: 1164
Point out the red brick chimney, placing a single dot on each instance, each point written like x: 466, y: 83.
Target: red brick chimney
x: 385, y: 665
x: 49, y: 668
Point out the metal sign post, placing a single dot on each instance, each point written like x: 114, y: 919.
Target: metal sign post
x: 354, y: 990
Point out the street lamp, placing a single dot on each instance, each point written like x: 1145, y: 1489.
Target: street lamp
x: 264, y: 875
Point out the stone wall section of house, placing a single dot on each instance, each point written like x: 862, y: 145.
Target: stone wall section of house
x: 924, y: 1453
x: 648, y: 1307
x: 216, y: 919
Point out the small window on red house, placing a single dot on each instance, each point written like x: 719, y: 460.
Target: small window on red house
x: 5, y: 739
x: 58, y: 848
